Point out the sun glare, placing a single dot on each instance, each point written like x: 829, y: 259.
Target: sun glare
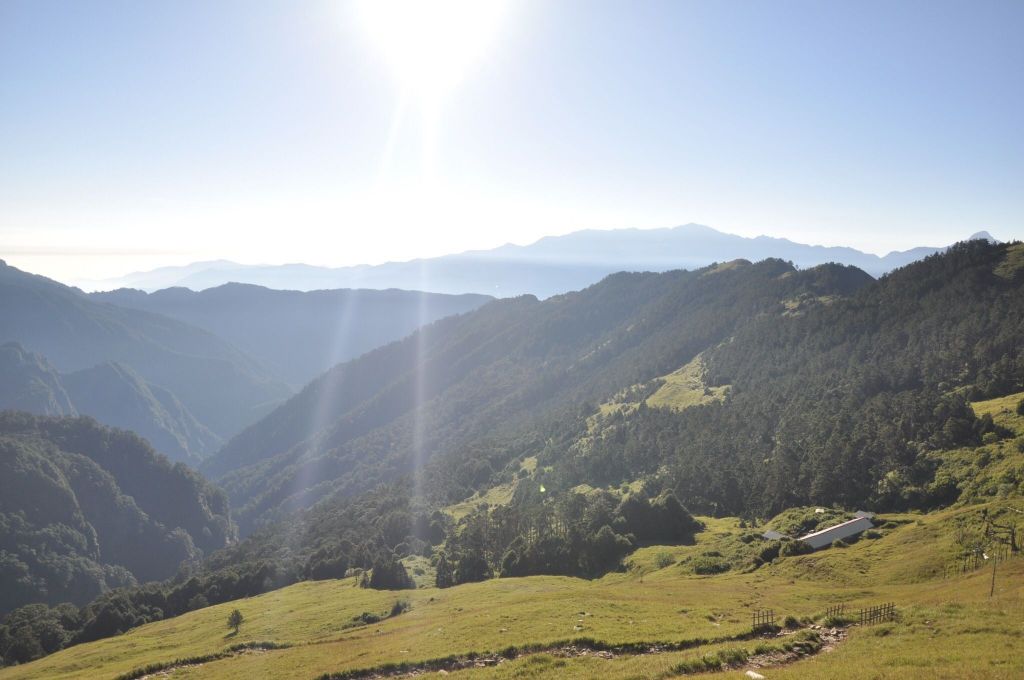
x: 431, y: 45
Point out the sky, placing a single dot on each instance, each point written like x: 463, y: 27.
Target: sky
x: 142, y: 134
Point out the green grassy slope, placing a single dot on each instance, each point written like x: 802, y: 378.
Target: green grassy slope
x: 686, y: 387
x: 947, y: 628
x: 996, y: 469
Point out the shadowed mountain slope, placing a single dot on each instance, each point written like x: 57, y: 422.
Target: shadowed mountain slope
x: 468, y: 380
x: 112, y: 393
x: 84, y: 508
x: 221, y: 386
x: 299, y: 335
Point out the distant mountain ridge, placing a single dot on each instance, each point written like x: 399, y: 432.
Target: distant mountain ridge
x: 110, y: 392
x: 224, y: 388
x: 552, y: 265
x: 299, y: 335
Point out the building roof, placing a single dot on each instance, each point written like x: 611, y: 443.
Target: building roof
x: 864, y: 513
x: 825, y: 537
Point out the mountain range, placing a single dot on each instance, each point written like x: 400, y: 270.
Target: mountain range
x: 224, y: 388
x: 110, y: 392
x: 552, y: 265
x: 464, y: 383
x: 187, y: 370
x: 298, y: 335
x: 741, y: 343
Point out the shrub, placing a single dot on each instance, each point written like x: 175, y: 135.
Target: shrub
x: 706, y: 565
x: 509, y: 565
x: 445, y: 572
x: 472, y: 567
x: 198, y: 602
x: 235, y: 620
x: 389, y: 574
x: 1020, y: 407
x: 721, y: 660
x: 663, y: 560
x: 770, y: 551
x: 791, y: 548
x: 604, y: 549
x: 839, y: 620
x: 791, y: 622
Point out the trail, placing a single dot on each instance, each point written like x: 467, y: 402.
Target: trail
x: 825, y: 640
x: 821, y: 640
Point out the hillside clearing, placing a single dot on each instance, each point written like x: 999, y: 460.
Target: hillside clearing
x: 685, y: 388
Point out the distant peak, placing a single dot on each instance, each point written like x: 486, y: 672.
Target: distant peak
x: 982, y: 236
x: 693, y: 227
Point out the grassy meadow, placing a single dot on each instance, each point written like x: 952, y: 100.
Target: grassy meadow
x: 949, y: 628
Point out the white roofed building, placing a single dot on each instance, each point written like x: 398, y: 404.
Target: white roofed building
x: 825, y: 537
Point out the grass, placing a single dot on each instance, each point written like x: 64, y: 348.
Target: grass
x: 1013, y: 263
x: 727, y: 266
x: 423, y: 573
x: 678, y: 390
x: 643, y: 604
x: 1003, y: 411
x: 800, y: 305
x: 992, y: 471
x: 685, y: 388
x: 494, y: 496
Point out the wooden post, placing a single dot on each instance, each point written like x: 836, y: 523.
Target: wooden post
x: 992, y: 589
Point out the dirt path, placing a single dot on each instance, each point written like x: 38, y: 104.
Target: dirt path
x: 824, y: 640
x: 821, y: 640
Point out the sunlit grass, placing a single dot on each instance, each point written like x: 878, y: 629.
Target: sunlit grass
x: 685, y: 388
x: 643, y: 604
x: 1003, y: 411
x: 494, y: 496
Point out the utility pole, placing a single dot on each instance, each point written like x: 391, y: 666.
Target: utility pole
x: 992, y: 589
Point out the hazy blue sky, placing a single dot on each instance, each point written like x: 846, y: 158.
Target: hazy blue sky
x: 134, y: 134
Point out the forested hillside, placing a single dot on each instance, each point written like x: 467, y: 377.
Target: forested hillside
x: 85, y: 508
x: 299, y: 335
x: 485, y: 387
x: 222, y: 387
x: 112, y: 393
x: 840, y: 404
x: 826, y: 377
